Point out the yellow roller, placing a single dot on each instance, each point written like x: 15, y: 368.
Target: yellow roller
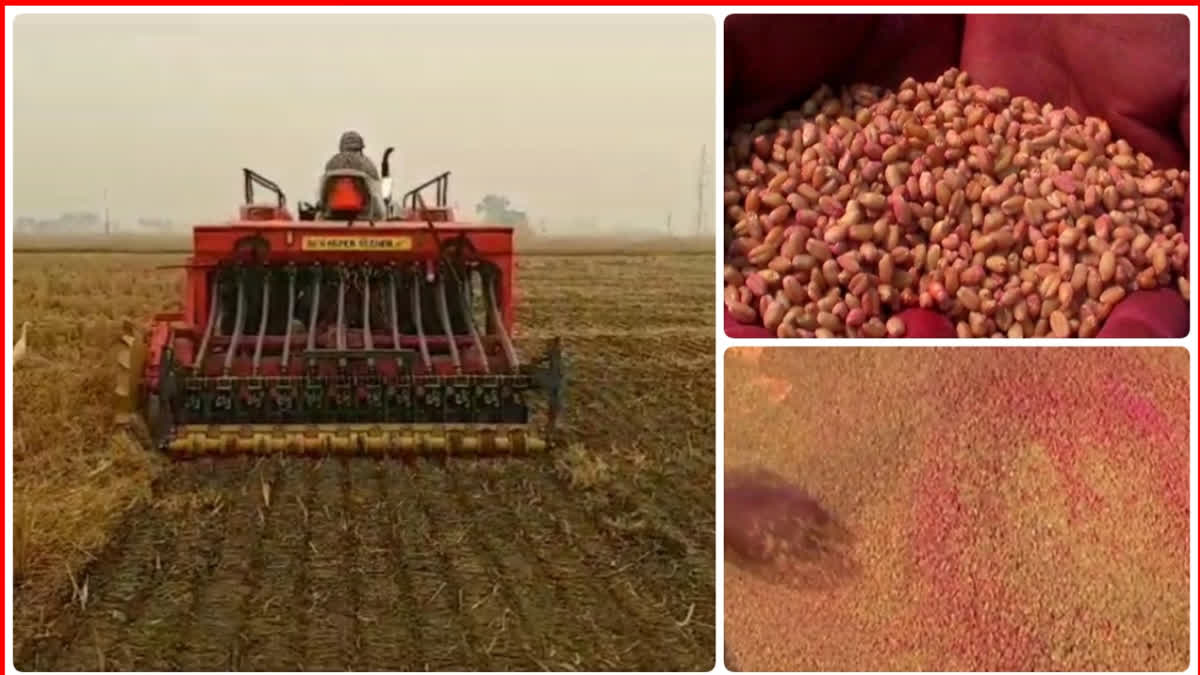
x: 352, y: 439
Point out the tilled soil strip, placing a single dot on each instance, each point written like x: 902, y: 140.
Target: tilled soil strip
x: 272, y: 633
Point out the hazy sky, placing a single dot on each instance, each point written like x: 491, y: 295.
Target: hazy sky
x: 570, y: 116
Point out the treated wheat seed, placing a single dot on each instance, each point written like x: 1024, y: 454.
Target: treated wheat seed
x: 1012, y: 218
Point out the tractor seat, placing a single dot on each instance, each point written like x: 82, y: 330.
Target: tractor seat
x: 349, y: 194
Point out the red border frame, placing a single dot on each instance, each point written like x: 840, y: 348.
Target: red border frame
x: 715, y: 7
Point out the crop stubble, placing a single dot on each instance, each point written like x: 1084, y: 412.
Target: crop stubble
x: 598, y: 556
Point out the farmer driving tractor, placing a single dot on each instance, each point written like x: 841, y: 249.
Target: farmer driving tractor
x: 350, y: 158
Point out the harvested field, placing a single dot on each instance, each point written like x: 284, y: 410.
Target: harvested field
x: 596, y: 557
x: 1021, y: 509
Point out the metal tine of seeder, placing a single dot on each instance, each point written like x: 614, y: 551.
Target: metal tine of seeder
x: 419, y: 320
x: 216, y: 312
x: 510, y: 353
x: 464, y: 300
x: 291, y: 313
x: 265, y: 313
x: 444, y: 314
x: 368, y: 339
x: 310, y: 343
x: 239, y: 320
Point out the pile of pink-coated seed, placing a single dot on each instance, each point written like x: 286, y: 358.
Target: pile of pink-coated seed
x: 1012, y: 218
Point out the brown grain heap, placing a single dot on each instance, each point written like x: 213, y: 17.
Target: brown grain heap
x: 1012, y: 218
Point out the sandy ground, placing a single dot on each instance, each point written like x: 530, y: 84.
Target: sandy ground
x: 989, y: 509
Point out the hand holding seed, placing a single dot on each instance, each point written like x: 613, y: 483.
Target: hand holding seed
x: 776, y: 530
x: 950, y: 204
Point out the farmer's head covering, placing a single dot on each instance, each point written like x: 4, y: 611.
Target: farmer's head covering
x: 351, y: 141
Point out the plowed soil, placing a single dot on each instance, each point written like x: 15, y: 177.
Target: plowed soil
x: 1020, y: 509
x: 598, y: 556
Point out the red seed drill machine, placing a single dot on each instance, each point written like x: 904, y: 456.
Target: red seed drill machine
x: 360, y: 326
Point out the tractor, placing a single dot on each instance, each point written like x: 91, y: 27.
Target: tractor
x: 360, y: 325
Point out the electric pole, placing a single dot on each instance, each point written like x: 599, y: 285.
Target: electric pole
x: 701, y: 183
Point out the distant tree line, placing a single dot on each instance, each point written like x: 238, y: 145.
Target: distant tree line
x: 498, y: 210
x: 87, y: 222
